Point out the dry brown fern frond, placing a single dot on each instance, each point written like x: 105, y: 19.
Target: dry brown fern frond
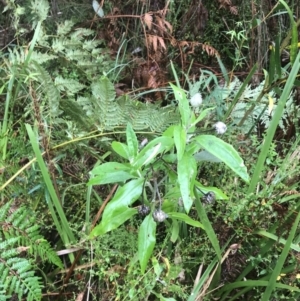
x: 210, y: 50
x: 190, y: 46
x: 227, y: 4
x: 148, y: 19
x: 156, y: 43
x: 162, y: 26
x: 150, y: 76
x: 234, y: 10
x: 163, y: 12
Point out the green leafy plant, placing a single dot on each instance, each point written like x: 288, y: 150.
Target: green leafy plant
x: 146, y: 173
x: 262, y: 111
x: 240, y: 39
x: 21, y: 245
x: 270, y: 280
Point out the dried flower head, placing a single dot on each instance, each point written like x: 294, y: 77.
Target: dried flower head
x: 159, y: 215
x: 196, y: 100
x: 144, y: 210
x: 220, y: 127
x: 209, y: 198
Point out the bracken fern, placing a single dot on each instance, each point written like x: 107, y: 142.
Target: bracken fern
x: 20, y: 246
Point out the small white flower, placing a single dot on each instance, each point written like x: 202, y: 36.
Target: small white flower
x: 196, y: 100
x: 220, y: 127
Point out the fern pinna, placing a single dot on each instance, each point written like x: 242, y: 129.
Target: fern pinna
x: 20, y: 246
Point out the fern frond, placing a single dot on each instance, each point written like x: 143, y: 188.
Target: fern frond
x: 91, y: 45
x: 22, y: 280
x: 42, y: 247
x: 17, y: 275
x: 3, y: 296
x: 76, y: 113
x: 80, y: 33
x: 52, y: 92
x: 58, y: 45
x: 71, y: 86
x: 76, y: 54
x: 246, y: 101
x: 64, y: 28
x: 19, y: 236
x: 42, y: 58
x: 4, y: 210
x: 16, y: 56
x: 109, y: 113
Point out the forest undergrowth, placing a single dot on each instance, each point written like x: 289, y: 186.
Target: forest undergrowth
x: 146, y: 160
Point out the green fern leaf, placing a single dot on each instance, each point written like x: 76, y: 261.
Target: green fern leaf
x: 64, y: 28
x: 71, y: 86
x: 76, y: 112
x: 42, y: 58
x: 52, y: 92
x: 19, y: 234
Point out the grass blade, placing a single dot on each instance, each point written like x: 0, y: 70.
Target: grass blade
x: 63, y: 223
x: 272, y: 283
x: 273, y: 125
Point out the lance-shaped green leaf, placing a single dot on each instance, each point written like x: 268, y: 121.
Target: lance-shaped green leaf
x: 220, y: 195
x: 225, y: 152
x: 187, y: 170
x: 117, y: 212
x: 121, y: 149
x: 146, y: 241
x: 110, y: 172
x: 180, y: 140
x: 132, y: 142
x: 151, y: 150
x: 183, y: 105
x: 294, y: 42
x: 201, y: 116
x: 185, y: 218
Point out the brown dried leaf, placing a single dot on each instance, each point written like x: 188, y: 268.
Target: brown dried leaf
x: 164, y: 11
x: 21, y: 249
x: 183, y: 43
x: 234, y: 10
x: 80, y: 297
x: 159, y: 24
x: 148, y: 20
x: 152, y: 82
x: 169, y: 26
x: 173, y: 41
x: 225, y: 2
x: 211, y: 51
x: 149, y: 40
x: 192, y: 50
x: 162, y: 43
x: 154, y: 42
